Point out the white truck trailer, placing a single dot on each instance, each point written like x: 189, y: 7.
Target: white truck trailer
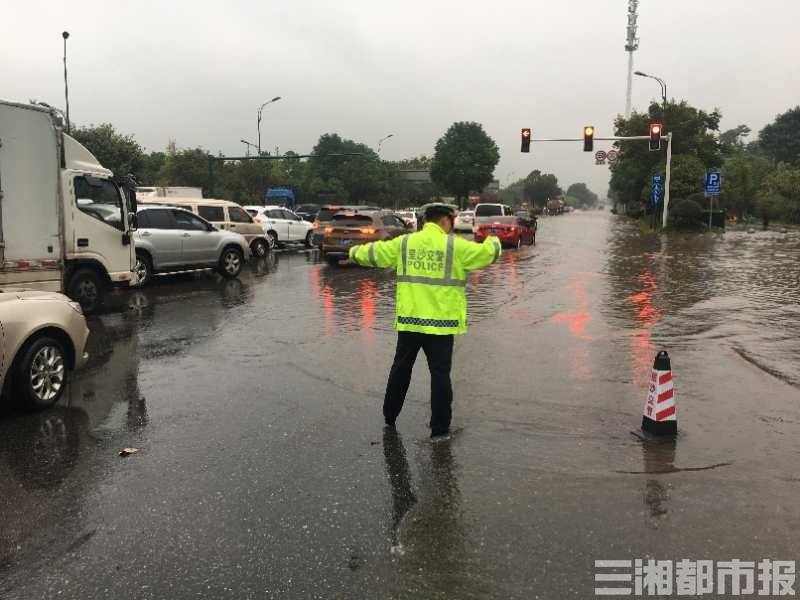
x: 65, y: 225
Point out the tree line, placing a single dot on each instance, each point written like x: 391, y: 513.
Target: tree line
x: 537, y: 188
x: 463, y: 162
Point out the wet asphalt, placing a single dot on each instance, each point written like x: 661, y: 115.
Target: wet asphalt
x: 263, y: 469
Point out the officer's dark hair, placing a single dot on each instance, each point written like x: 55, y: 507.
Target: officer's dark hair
x: 436, y: 212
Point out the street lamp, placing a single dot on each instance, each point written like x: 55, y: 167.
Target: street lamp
x: 65, y: 35
x: 660, y: 82
x: 383, y: 139
x: 248, y: 144
x: 260, y: 108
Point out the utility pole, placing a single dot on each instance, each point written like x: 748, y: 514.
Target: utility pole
x: 631, y: 45
x: 65, y: 35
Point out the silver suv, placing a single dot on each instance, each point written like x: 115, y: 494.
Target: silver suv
x: 174, y: 239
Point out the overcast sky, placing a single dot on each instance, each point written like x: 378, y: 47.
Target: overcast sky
x: 196, y: 71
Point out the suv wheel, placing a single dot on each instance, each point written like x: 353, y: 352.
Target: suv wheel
x: 260, y: 248
x: 42, y: 373
x: 86, y: 287
x: 230, y: 263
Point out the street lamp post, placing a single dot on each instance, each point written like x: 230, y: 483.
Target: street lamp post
x: 65, y: 35
x: 660, y: 82
x: 260, y: 108
x: 383, y: 139
x: 247, y: 145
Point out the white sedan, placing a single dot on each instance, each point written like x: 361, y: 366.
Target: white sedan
x: 281, y: 225
x: 465, y: 221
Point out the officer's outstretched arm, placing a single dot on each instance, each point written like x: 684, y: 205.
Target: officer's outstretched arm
x: 477, y: 256
x: 377, y: 254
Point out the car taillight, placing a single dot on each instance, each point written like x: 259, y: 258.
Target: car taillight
x: 512, y: 229
x: 328, y: 230
x: 367, y: 230
x: 315, y: 225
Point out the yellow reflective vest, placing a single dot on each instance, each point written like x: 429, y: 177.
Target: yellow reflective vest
x: 432, y: 269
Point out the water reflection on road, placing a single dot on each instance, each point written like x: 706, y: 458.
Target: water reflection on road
x: 263, y: 467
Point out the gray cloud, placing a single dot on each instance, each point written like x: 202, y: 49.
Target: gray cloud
x: 196, y: 71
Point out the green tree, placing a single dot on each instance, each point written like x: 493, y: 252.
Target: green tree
x: 693, y: 135
x: 464, y: 160
x: 779, y: 196
x: 581, y: 195
x: 733, y: 138
x: 779, y: 140
x: 538, y: 187
x: 742, y: 174
x: 120, y: 153
x: 357, y: 178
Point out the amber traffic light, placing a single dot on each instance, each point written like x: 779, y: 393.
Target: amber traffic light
x: 588, y: 138
x: 526, y: 140
x: 655, y: 136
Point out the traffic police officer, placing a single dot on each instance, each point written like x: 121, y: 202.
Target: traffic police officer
x: 432, y: 266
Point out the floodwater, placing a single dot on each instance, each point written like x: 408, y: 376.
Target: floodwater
x: 263, y: 470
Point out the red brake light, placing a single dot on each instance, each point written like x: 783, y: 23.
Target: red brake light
x: 328, y: 230
x: 367, y: 230
x: 315, y: 225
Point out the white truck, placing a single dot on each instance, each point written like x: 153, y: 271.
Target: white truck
x: 65, y: 225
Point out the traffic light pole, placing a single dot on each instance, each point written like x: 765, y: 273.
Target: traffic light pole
x: 630, y: 138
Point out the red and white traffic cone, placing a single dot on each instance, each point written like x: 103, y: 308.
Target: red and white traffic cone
x: 660, y: 416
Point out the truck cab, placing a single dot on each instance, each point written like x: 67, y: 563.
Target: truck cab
x: 65, y: 224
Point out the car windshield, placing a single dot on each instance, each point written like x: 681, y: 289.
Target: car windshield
x: 326, y: 214
x: 488, y: 210
x: 348, y: 220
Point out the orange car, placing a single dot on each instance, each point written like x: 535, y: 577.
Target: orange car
x: 347, y: 229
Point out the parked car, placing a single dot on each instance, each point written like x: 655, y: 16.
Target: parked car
x: 487, y: 210
x: 224, y: 215
x: 512, y: 231
x: 281, y: 225
x: 307, y: 211
x: 325, y: 216
x: 42, y: 338
x: 349, y: 228
x: 465, y: 221
x: 410, y: 218
x: 174, y: 239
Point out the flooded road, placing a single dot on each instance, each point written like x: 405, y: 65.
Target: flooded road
x: 264, y: 471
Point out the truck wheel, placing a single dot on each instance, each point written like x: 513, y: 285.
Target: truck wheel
x: 42, y: 373
x: 259, y: 248
x: 86, y: 287
x: 230, y: 263
x: 144, y: 268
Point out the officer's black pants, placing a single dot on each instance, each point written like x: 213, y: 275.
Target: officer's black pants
x: 439, y: 352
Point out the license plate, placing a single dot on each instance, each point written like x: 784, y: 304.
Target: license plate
x: 345, y: 242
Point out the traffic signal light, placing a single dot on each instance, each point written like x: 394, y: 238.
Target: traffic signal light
x: 526, y: 140
x: 655, y: 136
x: 588, y: 138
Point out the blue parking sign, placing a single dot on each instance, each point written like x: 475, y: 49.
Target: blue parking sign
x: 713, y: 183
